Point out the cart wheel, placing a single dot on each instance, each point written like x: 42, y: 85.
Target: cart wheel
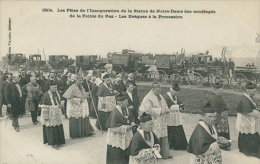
x: 217, y: 79
x: 161, y: 77
x: 238, y: 82
x: 194, y: 78
x: 176, y: 79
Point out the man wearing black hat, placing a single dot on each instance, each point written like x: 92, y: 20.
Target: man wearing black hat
x: 248, y: 123
x: 119, y: 133
x: 176, y: 135
x: 51, y: 105
x: 217, y: 102
x: 144, y: 144
x: 204, y: 142
x: 106, y: 102
x: 155, y: 105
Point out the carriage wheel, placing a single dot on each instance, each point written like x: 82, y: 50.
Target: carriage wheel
x: 238, y: 82
x: 216, y: 79
x: 194, y: 78
x: 161, y: 77
x: 176, y: 79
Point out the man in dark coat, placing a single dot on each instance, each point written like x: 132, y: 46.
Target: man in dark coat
x: 13, y: 96
x: 118, y: 85
x: 23, y: 80
x: 27, y: 76
x: 8, y: 78
x: 40, y: 79
x: 132, y: 104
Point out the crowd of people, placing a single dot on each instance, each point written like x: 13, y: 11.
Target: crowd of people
x: 137, y: 132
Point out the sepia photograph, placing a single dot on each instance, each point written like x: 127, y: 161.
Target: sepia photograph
x: 130, y: 82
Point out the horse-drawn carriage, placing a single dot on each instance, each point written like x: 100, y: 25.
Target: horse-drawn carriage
x: 15, y: 60
x: 60, y: 61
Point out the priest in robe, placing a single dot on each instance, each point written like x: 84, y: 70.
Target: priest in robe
x: 106, y: 102
x: 176, y: 135
x: 248, y: 123
x: 78, y: 110
x: 119, y: 135
x: 51, y: 117
x: 118, y: 85
x: 155, y: 105
x: 217, y: 102
x: 204, y: 142
x: 144, y: 143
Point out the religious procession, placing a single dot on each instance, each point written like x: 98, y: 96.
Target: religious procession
x: 137, y: 131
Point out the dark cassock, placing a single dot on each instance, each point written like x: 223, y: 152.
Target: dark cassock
x: 132, y: 102
x: 248, y: 124
x: 119, y: 85
x: 119, y: 134
x: 176, y: 134
x: 217, y: 102
x: 204, y: 143
x: 27, y: 78
x: 94, y: 91
x: 87, y: 85
x: 69, y: 82
x: 129, y: 80
x: 13, y: 96
x: 143, y: 145
x: 40, y: 79
x: 47, y: 84
x: 51, y: 118
x: 106, y: 102
x: 78, y: 110
x: 23, y: 81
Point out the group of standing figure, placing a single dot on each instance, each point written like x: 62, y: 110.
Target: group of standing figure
x: 137, y: 132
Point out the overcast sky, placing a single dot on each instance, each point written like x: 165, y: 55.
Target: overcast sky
x: 234, y: 24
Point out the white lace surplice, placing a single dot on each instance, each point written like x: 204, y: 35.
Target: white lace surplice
x: 211, y: 156
x: 155, y: 108
x: 174, y: 117
x: 76, y: 109
x: 52, y: 113
x: 145, y: 156
x: 109, y: 101
x: 246, y: 123
x: 119, y: 137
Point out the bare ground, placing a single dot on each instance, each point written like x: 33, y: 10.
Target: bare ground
x: 26, y: 147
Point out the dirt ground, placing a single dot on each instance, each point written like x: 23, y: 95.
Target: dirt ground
x: 26, y: 147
